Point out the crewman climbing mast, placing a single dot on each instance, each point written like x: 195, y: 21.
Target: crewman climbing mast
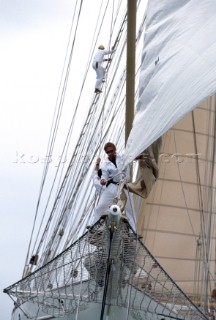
x: 97, y: 66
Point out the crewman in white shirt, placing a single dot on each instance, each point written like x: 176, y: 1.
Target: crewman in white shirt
x: 111, y: 176
x: 97, y: 66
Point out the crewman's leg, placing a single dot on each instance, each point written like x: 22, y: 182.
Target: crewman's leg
x: 100, y: 71
x: 106, y: 200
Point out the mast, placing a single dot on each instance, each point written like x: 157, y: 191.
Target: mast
x: 130, y: 70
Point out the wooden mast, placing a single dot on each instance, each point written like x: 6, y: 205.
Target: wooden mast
x: 130, y: 70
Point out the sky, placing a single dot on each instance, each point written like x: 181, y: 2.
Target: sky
x: 33, y: 41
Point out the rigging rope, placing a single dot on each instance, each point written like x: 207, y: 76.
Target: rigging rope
x: 70, y: 130
x: 105, y: 86
x: 67, y: 197
x: 108, y: 270
x: 52, y: 137
x: 75, y: 179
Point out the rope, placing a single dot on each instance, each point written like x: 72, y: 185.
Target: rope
x: 74, y: 180
x: 70, y: 129
x: 52, y: 137
x: 105, y: 86
x: 108, y: 270
x: 91, y: 269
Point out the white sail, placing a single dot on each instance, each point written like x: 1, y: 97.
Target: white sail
x: 178, y: 67
x: 177, y: 220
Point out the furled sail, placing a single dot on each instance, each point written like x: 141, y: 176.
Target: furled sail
x: 178, y: 67
x: 148, y: 171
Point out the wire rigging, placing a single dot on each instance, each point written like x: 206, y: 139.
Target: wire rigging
x: 73, y: 119
x: 67, y: 208
x: 52, y: 137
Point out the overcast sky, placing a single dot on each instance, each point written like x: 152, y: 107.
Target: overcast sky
x: 33, y: 40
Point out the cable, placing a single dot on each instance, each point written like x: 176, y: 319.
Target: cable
x: 74, y: 181
x: 51, y: 140
x: 108, y: 270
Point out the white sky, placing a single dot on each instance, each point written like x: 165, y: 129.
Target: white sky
x: 33, y: 40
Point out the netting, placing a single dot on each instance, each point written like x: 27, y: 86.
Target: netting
x: 79, y: 277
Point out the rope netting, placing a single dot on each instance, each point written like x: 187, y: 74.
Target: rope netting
x: 78, y: 278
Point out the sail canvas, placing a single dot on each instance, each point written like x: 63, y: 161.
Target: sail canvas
x: 178, y: 67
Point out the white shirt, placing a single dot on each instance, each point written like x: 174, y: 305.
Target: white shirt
x: 99, y: 55
x: 96, y: 182
x: 109, y: 170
